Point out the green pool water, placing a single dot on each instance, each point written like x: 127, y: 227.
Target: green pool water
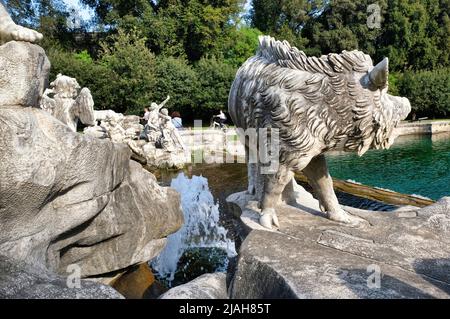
x: 417, y: 165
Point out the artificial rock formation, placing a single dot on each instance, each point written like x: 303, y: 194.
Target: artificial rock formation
x: 68, y: 199
x: 402, y: 254
x: 20, y: 280
x: 22, y: 83
x: 208, y: 286
x: 67, y: 103
x: 312, y: 105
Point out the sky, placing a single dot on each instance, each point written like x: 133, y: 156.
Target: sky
x: 87, y: 13
x: 84, y: 12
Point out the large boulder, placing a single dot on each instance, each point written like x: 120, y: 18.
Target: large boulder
x: 208, y: 286
x: 66, y: 198
x: 24, y: 70
x: 402, y: 254
x: 19, y: 280
x: 68, y: 201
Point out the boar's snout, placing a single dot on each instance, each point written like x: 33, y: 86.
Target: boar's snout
x: 402, y: 106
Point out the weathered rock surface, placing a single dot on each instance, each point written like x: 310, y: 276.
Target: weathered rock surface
x: 208, y: 286
x: 68, y: 201
x: 67, y: 198
x: 19, y: 280
x: 24, y: 70
x: 313, y: 257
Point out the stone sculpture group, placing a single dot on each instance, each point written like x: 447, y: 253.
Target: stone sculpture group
x: 68, y: 202
x: 336, y: 102
x: 66, y: 103
x: 158, y: 143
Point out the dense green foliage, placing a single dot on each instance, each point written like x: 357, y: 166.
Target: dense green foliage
x: 137, y: 51
x: 428, y: 91
x: 414, y: 34
x: 175, y: 77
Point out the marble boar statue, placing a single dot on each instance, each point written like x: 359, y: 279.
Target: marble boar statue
x: 67, y: 103
x: 336, y: 102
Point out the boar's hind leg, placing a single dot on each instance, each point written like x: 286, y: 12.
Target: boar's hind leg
x: 321, y: 181
x: 274, y: 184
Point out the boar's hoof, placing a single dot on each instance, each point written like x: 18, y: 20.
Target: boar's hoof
x: 342, y: 216
x: 268, y: 218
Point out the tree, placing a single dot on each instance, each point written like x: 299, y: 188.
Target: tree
x: 240, y: 44
x: 109, y: 12
x: 127, y: 56
x: 416, y: 34
x: 22, y: 12
x: 48, y: 16
x: 190, y: 28
x: 344, y: 25
x: 175, y: 77
x: 285, y: 19
x: 215, y: 79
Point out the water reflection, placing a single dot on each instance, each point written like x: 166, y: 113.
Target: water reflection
x: 418, y: 165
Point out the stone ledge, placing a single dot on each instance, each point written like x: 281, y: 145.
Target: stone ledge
x: 313, y: 257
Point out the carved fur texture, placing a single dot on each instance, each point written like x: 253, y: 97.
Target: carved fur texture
x: 316, y: 103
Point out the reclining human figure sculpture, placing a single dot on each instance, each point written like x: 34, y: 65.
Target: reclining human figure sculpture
x: 336, y: 102
x: 10, y: 31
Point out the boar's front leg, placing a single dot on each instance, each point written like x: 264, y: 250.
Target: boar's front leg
x: 321, y: 181
x: 274, y: 184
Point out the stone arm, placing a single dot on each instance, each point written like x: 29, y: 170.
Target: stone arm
x: 163, y: 103
x: 166, y: 120
x: 83, y: 108
x: 47, y: 103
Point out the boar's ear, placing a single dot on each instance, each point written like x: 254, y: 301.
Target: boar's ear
x: 380, y: 74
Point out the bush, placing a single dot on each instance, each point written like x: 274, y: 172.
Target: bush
x: 175, y: 77
x: 102, y: 81
x: 215, y: 78
x: 428, y: 92
x: 134, y: 65
x: 240, y: 45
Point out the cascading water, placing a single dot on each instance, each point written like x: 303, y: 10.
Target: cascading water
x: 201, y: 227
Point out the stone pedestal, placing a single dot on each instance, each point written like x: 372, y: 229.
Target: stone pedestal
x: 402, y: 254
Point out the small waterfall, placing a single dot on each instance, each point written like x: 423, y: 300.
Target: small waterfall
x: 201, y: 226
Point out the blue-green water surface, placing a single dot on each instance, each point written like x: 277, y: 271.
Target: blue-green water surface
x: 418, y: 165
